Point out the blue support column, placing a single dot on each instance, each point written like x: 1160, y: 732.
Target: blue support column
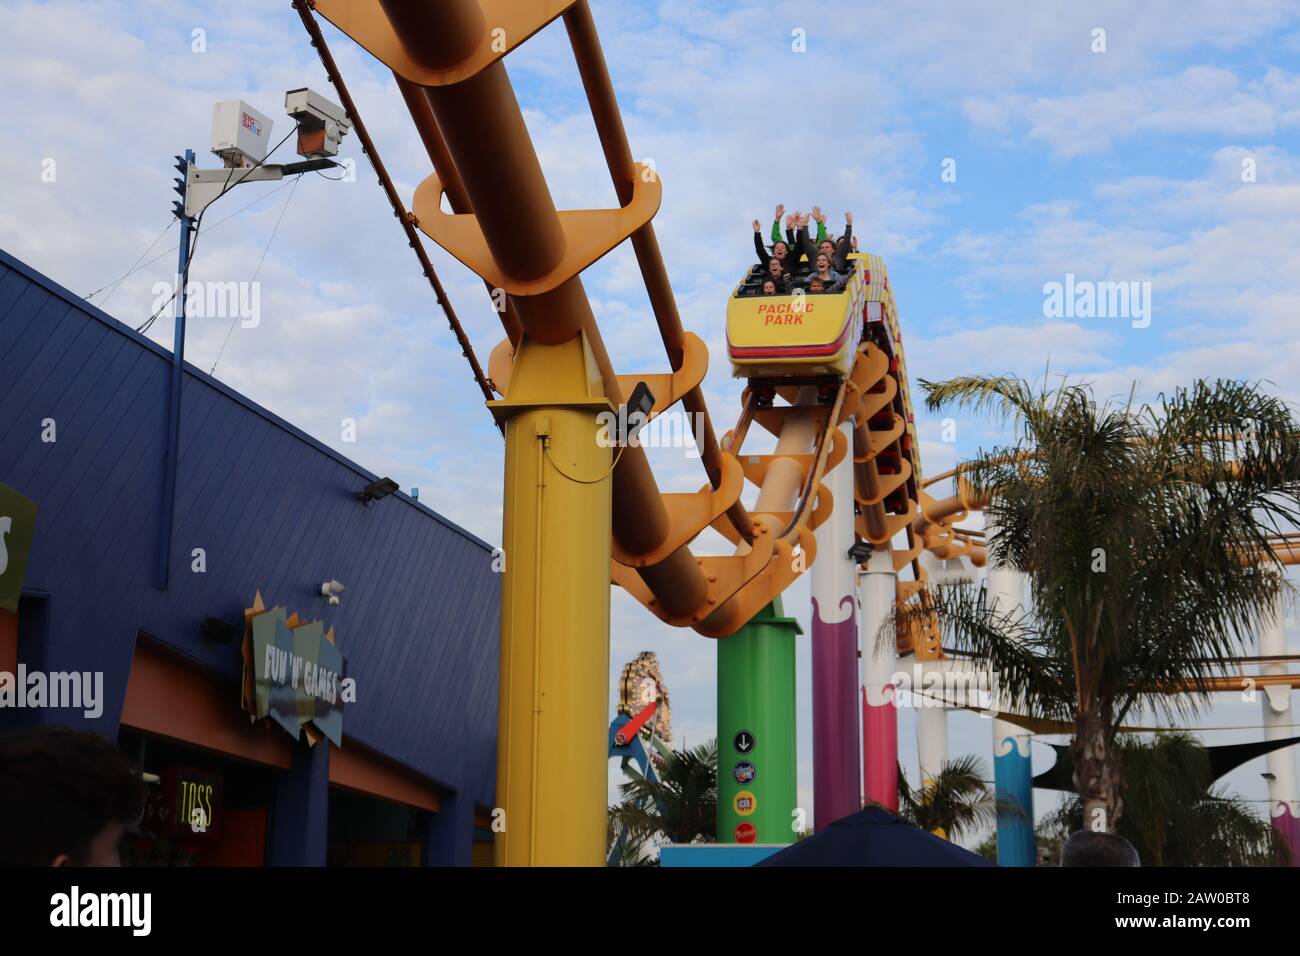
x: 300, y: 813
x: 449, y: 836
x: 1013, y: 779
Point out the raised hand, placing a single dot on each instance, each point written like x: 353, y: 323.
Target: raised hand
x: 789, y: 221
x: 758, y: 227
x: 848, y: 218
x: 780, y: 210
x: 817, y: 214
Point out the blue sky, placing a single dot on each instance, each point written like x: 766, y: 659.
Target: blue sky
x: 1122, y: 165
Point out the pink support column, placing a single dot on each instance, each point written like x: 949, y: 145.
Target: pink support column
x: 836, y: 779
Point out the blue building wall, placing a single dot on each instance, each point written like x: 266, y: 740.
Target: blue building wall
x: 273, y: 509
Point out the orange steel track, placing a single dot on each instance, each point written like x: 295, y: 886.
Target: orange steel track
x: 447, y: 56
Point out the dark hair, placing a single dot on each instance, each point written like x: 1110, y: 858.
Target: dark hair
x: 1089, y: 848
x: 58, y: 789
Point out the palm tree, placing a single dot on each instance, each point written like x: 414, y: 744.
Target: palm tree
x: 957, y: 801
x: 1143, y: 529
x: 623, y: 847
x: 1174, y: 816
x: 680, y: 807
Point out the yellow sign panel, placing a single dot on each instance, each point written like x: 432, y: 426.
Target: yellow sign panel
x: 745, y: 803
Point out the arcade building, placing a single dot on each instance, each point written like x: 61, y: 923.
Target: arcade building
x: 277, y: 721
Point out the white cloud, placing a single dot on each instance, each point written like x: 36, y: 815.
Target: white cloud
x: 1200, y: 100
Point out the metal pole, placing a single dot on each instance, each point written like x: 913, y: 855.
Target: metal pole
x: 552, y: 739
x: 174, y: 394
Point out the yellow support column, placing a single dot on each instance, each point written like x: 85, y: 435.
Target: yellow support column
x: 552, y: 760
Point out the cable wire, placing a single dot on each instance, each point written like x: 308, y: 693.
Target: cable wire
x: 546, y: 445
x: 215, y: 225
x: 115, y: 283
x: 265, y: 250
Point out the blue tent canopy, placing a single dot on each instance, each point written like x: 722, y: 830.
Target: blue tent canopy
x: 873, y: 837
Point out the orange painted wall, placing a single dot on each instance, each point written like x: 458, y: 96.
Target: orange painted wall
x: 170, y: 698
x: 358, y: 769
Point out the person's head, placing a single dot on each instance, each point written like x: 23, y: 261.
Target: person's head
x: 780, y: 250
x: 1089, y: 848
x: 769, y: 287
x: 816, y: 285
x: 774, y: 268
x: 66, y: 798
x: 827, y: 247
x: 823, y: 262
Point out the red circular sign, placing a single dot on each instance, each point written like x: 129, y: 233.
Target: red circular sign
x: 746, y: 833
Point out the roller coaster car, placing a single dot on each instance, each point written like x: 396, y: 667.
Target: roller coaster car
x: 800, y: 335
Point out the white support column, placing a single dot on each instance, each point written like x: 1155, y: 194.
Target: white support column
x: 1284, y: 812
x: 878, y: 586
x: 931, y: 736
x: 1012, y: 769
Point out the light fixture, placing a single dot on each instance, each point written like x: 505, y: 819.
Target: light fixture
x: 331, y: 590
x: 641, y: 403
x: 860, y: 551
x: 380, y: 488
x: 1268, y: 776
x: 220, y: 632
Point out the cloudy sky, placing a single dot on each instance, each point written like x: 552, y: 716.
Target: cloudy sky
x: 1170, y: 157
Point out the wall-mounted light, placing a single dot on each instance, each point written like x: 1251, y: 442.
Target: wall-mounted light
x: 860, y: 551
x: 331, y: 590
x: 641, y: 403
x: 376, y: 490
x: 221, y: 632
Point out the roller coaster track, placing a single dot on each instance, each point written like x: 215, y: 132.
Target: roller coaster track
x: 447, y: 58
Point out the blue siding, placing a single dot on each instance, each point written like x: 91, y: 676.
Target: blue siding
x: 274, y: 510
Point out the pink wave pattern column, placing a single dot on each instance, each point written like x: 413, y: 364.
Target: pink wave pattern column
x: 835, y: 717
x: 1287, y: 827
x: 880, y: 749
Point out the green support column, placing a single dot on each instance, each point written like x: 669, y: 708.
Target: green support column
x: 757, y: 792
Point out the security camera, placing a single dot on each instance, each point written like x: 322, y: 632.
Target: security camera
x: 321, y: 124
x: 331, y: 590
